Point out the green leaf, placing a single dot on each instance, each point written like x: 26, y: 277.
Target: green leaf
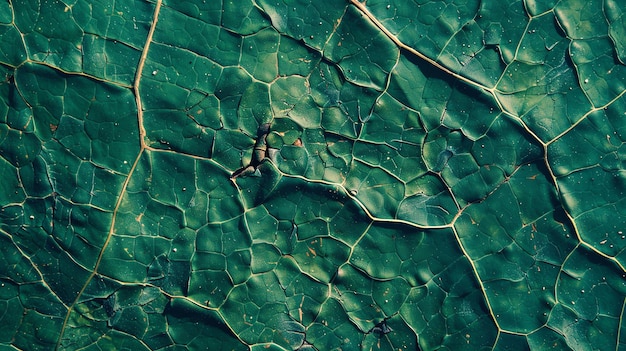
x: 312, y: 175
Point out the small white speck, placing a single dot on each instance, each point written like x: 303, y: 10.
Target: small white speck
x: 586, y: 80
x: 388, y: 7
x: 154, y: 73
x: 31, y: 217
x: 174, y: 249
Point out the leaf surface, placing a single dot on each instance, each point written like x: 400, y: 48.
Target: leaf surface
x: 312, y: 175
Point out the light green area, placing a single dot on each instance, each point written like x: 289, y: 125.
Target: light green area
x: 312, y: 175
